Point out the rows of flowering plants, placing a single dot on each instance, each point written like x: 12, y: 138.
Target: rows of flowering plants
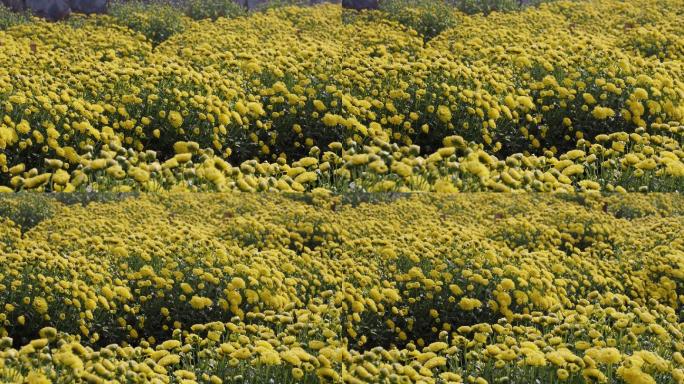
x: 259, y: 288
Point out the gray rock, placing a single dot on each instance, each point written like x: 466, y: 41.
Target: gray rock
x: 360, y: 4
x: 251, y: 4
x: 88, y: 6
x: 49, y: 9
x: 15, y: 5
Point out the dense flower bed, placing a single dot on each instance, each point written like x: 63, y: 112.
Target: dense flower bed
x: 361, y: 279
x: 275, y: 86
x: 295, y: 288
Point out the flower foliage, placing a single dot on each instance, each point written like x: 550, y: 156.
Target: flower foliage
x: 250, y: 288
x: 93, y: 97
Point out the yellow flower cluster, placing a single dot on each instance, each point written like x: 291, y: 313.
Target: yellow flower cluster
x: 646, y: 160
x: 253, y: 288
x: 275, y: 85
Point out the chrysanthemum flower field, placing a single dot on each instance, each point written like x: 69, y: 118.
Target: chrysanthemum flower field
x: 310, y: 194
x: 287, y: 288
x: 561, y: 97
